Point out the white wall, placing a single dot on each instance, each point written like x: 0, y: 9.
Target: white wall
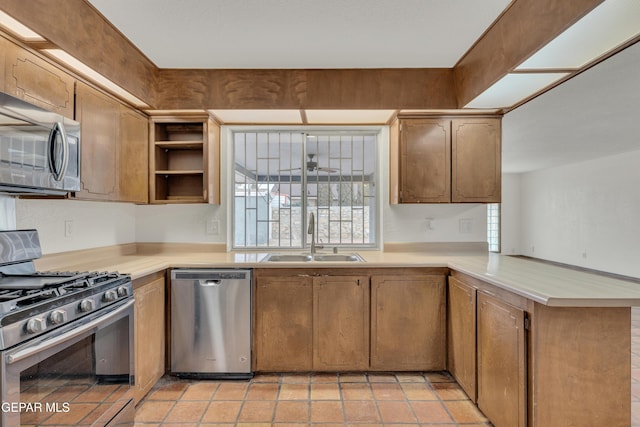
x: 510, y: 221
x: 585, y: 214
x: 94, y: 224
x: 180, y: 223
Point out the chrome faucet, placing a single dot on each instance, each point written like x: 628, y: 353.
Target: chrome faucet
x: 312, y: 230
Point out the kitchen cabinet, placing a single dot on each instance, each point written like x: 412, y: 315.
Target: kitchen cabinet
x: 340, y: 323
x: 99, y: 117
x: 114, y: 148
x: 134, y: 156
x: 501, y: 362
x: 408, y: 323
x: 149, y: 329
x: 184, y: 159
x: 476, y: 160
x: 461, y: 338
x: 445, y: 160
x: 283, y: 318
x: 35, y: 80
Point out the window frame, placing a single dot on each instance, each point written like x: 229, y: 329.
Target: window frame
x: 228, y: 142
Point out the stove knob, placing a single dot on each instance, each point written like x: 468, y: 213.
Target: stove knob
x: 57, y: 317
x: 123, y: 291
x: 110, y: 296
x: 35, y: 325
x: 86, y: 305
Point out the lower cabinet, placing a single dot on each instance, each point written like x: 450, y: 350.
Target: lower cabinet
x: 283, y: 323
x: 461, y: 327
x: 340, y: 323
x: 408, y: 325
x: 149, y: 329
x: 312, y: 320
x: 501, y: 362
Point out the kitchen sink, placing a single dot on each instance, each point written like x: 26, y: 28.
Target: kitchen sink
x: 309, y: 257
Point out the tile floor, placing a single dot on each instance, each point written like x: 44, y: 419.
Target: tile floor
x: 331, y: 400
x: 432, y: 399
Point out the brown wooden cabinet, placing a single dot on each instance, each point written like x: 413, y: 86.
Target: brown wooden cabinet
x: 114, y: 148
x: 340, y: 323
x: 476, y: 160
x: 99, y: 117
x: 462, y: 335
x: 502, y: 367
x: 408, y: 324
x: 134, y: 156
x: 444, y: 160
x: 184, y: 160
x: 35, y: 80
x: 149, y: 327
x: 283, y: 323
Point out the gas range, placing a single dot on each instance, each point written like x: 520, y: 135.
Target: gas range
x: 33, y: 302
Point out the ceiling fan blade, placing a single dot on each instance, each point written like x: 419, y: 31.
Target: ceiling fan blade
x: 329, y: 170
x: 290, y: 169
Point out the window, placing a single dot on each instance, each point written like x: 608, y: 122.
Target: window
x: 493, y: 227
x: 282, y: 176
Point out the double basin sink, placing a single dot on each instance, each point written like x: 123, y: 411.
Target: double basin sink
x: 314, y: 257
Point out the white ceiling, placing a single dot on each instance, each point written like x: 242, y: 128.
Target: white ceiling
x: 302, y: 33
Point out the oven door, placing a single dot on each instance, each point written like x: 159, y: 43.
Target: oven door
x: 79, y: 374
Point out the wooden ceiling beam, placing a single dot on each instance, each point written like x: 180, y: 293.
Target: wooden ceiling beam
x: 522, y: 29
x: 77, y: 28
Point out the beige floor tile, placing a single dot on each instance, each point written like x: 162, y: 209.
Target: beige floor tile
x: 232, y: 391
x: 263, y: 391
x: 324, y: 378
x: 257, y: 411
x: 187, y: 411
x: 169, y: 391
x: 326, y: 411
x: 291, y: 411
x: 266, y: 378
x: 222, y: 411
x: 381, y: 378
x: 352, y: 378
x: 361, y: 411
x: 294, y: 392
x: 396, y: 412
x: 439, y: 377
x: 430, y: 412
x: 200, y: 391
x: 449, y: 391
x: 418, y: 391
x: 325, y: 391
x: 410, y: 378
x: 463, y: 411
x: 152, y: 411
x: 356, y: 391
x: 296, y: 378
x: 387, y: 391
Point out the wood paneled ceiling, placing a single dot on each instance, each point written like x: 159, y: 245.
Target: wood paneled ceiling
x: 356, y: 54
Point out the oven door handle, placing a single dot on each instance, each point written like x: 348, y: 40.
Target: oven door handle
x: 31, y: 350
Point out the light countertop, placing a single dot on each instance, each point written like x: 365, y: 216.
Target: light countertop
x: 543, y: 283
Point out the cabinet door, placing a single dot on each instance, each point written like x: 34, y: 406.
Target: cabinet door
x: 340, y: 323
x: 408, y: 323
x: 425, y: 163
x: 149, y: 328
x: 501, y: 362
x: 34, y: 80
x: 283, y: 324
x: 476, y: 160
x: 462, y: 335
x: 134, y: 156
x: 99, y: 117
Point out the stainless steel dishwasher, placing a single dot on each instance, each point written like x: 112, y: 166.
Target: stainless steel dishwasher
x: 211, y: 323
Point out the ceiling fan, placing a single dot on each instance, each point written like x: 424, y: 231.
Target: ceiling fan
x: 312, y: 166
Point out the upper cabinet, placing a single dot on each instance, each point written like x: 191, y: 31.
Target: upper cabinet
x: 184, y: 160
x: 114, y: 148
x: 444, y: 160
x: 35, y: 80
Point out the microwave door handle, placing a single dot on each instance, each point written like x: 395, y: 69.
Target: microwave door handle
x: 60, y: 339
x: 58, y: 128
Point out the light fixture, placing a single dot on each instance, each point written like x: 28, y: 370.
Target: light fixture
x: 606, y: 27
x: 96, y: 77
x: 19, y: 30
x: 512, y: 88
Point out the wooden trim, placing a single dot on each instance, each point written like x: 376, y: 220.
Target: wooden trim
x: 77, y: 28
x: 519, y: 32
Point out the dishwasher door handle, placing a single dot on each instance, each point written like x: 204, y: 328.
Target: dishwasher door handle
x: 210, y: 282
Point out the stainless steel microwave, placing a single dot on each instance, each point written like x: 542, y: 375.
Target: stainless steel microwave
x: 39, y: 150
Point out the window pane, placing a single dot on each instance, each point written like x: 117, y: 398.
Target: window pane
x: 281, y: 176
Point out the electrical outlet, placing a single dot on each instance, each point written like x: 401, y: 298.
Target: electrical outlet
x: 68, y: 228
x: 213, y: 227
